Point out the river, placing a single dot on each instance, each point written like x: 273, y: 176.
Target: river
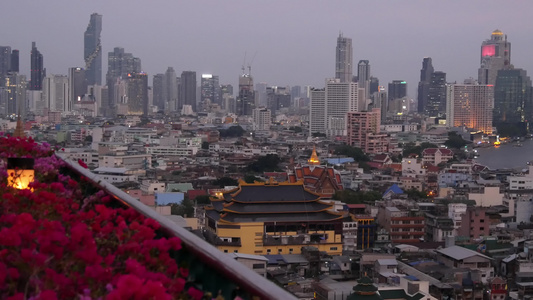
x: 506, y: 156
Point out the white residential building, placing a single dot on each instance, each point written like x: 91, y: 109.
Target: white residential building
x: 262, y: 119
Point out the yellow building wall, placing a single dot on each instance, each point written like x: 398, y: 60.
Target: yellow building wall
x: 251, y: 237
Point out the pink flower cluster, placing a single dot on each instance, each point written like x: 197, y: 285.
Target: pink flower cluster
x: 57, y: 244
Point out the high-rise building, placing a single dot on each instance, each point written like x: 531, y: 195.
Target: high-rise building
x: 56, y: 95
x: 278, y: 97
x: 495, y: 55
x: 423, y: 85
x: 296, y: 92
x: 470, y: 106
x: 171, y: 93
x: 436, y: 100
x: 343, y: 59
x: 14, y: 61
x: 137, y: 94
x: 261, y: 94
x: 188, y: 90
x: 37, y: 69
x: 380, y: 100
x: 329, y: 106
x: 92, y: 51
x: 363, y: 131
x: 77, y: 83
x: 119, y: 65
x: 341, y: 98
x: 397, y: 90
x: 262, y: 119
x: 209, y: 91
x: 317, y: 111
x: 374, y: 85
x: 159, y: 91
x: 245, y: 102
x: 5, y: 60
x: 363, y: 72
x: 363, y: 76
x: 228, y: 100
x: 513, y: 101
x: 15, y: 86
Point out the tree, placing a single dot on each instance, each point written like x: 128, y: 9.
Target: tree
x: 233, y: 131
x: 318, y: 134
x: 356, y: 153
x: 412, y: 148
x: 356, y: 197
x: 416, y: 194
x: 205, y: 145
x: 185, y: 209
x: 296, y: 129
x: 251, y: 179
x: 455, y: 141
x: 268, y: 163
x: 225, y: 181
x: 202, y: 199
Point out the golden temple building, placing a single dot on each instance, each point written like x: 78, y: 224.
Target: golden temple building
x: 273, y: 218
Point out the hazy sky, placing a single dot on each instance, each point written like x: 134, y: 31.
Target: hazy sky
x: 293, y: 40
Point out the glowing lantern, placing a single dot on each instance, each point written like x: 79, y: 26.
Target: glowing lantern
x: 20, y: 172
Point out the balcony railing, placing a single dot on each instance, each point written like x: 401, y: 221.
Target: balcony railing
x: 215, y: 270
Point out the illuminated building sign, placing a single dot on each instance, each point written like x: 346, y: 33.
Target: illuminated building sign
x: 488, y: 50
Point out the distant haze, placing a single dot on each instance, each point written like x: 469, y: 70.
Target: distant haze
x: 293, y: 41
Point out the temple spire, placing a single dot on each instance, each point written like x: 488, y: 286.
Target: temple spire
x: 19, y: 130
x: 313, y: 160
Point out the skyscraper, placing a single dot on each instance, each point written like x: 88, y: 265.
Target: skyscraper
x: 188, y: 90
x: 209, y: 91
x: 77, y: 83
x: 56, y: 93
x: 423, y: 85
x: 5, y: 60
x: 37, y: 69
x: 436, y: 101
x: 513, y: 102
x: 92, y: 51
x: 278, y: 97
x: 137, y: 94
x: 363, y: 72
x: 119, y: 65
x: 14, y: 61
x: 341, y: 98
x: 158, y: 87
x: 397, y: 89
x: 245, y: 103
x: 317, y: 111
x: 470, y: 106
x: 15, y: 102
x: 343, y: 59
x: 171, y: 92
x: 495, y: 55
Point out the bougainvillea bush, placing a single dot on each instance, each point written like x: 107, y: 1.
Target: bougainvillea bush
x: 58, y: 243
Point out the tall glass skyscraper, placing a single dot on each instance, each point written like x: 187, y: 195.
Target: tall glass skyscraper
x: 512, y: 97
x: 423, y: 85
x: 343, y: 59
x: 92, y: 52
x: 37, y: 71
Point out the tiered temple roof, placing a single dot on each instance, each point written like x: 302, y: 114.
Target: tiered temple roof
x: 270, y: 202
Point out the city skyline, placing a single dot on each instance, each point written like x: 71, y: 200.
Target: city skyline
x: 294, y: 51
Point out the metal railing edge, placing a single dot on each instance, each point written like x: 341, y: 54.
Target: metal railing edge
x: 236, y: 271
